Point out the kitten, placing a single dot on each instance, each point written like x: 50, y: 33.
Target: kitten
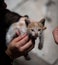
x: 33, y: 29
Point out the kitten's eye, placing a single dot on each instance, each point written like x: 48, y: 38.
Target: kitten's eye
x: 39, y: 29
x: 32, y: 30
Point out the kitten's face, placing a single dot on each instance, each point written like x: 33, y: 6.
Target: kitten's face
x: 35, y: 28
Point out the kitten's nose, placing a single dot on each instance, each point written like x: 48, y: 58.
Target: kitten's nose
x: 36, y: 34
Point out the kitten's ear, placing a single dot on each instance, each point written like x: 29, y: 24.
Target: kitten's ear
x: 26, y: 16
x: 27, y: 22
x: 42, y: 21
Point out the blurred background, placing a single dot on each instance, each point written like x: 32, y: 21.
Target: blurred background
x: 37, y: 9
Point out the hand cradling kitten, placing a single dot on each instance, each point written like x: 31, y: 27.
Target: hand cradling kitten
x: 33, y: 29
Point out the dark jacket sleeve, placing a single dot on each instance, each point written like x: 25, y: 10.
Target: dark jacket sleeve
x: 5, y: 60
x: 11, y: 17
x: 6, y: 19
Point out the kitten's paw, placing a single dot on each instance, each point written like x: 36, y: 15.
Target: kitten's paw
x: 40, y: 46
x: 27, y: 57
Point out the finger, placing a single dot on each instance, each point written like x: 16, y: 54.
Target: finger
x: 55, y: 38
x: 26, y: 46
x: 23, y: 41
x: 17, y: 32
x: 30, y: 48
x: 55, y: 35
x: 19, y: 38
x: 56, y: 28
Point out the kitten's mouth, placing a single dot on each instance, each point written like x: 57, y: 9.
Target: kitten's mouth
x: 36, y: 35
x: 33, y: 37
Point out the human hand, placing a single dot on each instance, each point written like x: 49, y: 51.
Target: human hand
x: 19, y: 46
x: 55, y: 34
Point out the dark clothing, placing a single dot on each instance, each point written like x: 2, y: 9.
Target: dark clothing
x: 6, y: 19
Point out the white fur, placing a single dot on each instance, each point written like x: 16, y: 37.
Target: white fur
x: 12, y: 31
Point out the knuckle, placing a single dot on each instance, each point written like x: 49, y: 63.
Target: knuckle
x: 26, y: 38
x: 21, y: 50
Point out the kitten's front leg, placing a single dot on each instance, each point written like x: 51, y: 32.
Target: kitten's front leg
x: 27, y: 57
x: 41, y: 41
